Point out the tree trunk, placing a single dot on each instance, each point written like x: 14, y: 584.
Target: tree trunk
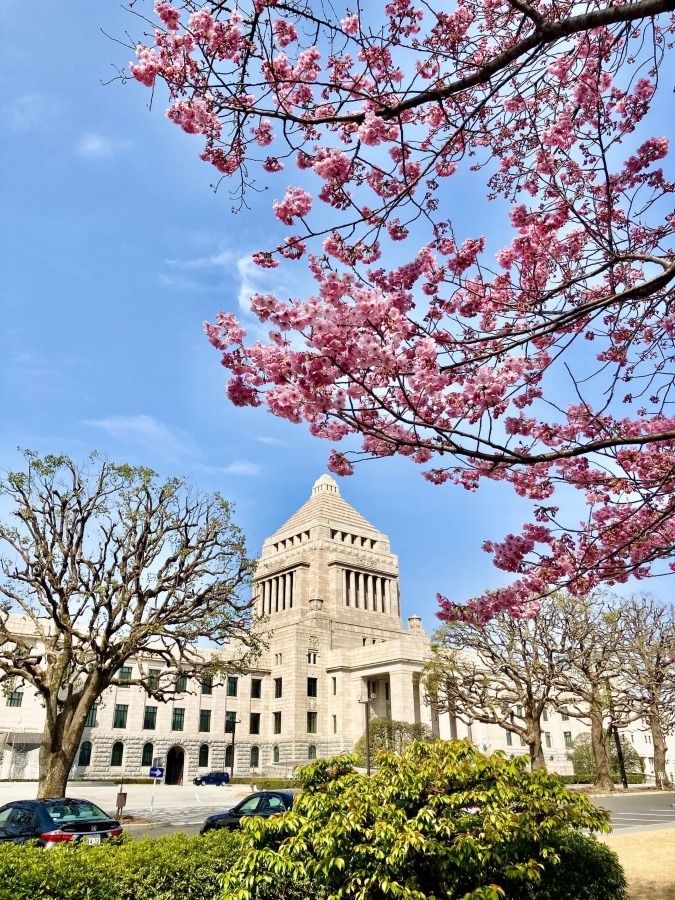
x: 537, y: 759
x: 55, y: 766
x: 603, y: 777
x: 660, y: 750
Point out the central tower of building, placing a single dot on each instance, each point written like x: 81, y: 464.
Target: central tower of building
x: 326, y: 588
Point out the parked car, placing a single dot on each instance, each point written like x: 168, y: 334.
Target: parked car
x: 56, y: 821
x: 261, y: 803
x: 212, y: 778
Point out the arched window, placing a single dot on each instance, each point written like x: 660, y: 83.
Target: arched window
x: 148, y: 750
x: 203, y: 756
x: 117, y: 754
x: 85, y: 754
x: 228, y: 756
x: 255, y: 757
x: 311, y: 751
x: 275, y: 754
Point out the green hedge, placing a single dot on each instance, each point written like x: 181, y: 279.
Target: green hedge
x: 177, y: 867
x: 589, y: 779
x: 268, y: 784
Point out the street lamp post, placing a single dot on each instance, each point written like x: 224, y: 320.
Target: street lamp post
x: 234, y: 723
x: 366, y: 704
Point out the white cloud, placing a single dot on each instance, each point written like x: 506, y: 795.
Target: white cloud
x: 220, y: 260
x: 95, y: 146
x: 145, y: 432
x: 241, y: 467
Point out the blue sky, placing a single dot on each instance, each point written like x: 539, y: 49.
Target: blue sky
x: 115, y: 249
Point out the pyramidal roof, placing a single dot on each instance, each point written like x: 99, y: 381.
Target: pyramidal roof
x: 326, y: 504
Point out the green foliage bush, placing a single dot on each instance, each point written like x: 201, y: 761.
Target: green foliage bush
x: 167, y: 868
x: 390, y: 734
x: 583, y: 760
x: 439, y: 820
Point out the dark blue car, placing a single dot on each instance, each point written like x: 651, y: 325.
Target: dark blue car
x: 262, y: 803
x: 212, y: 778
x: 50, y: 822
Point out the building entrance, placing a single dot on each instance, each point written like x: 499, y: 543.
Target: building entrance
x: 175, y: 763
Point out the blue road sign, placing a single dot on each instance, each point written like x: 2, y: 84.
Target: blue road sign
x: 156, y: 772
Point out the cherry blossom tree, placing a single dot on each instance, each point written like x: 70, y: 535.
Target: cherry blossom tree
x: 524, y: 335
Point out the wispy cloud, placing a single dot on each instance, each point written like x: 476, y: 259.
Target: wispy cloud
x: 238, y: 467
x: 216, y: 260
x: 29, y: 112
x: 275, y: 442
x: 96, y: 146
x: 145, y: 432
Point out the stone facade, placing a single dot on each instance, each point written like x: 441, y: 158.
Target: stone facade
x: 326, y: 594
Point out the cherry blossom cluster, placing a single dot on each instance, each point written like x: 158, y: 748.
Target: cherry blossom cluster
x: 545, y: 363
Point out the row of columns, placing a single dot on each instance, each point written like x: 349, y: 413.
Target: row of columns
x: 277, y: 593
x: 364, y: 591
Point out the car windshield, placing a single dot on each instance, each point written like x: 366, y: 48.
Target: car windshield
x: 81, y: 810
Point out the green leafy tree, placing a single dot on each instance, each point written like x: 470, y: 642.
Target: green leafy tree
x: 391, y: 734
x: 583, y: 760
x: 440, y: 820
x: 103, y: 563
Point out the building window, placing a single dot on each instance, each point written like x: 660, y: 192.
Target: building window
x: 230, y: 722
x: 228, y: 757
x: 146, y: 757
x: 334, y: 685
x: 120, y: 715
x: 509, y: 739
x: 311, y: 658
x: 85, y: 754
x: 207, y: 684
x: 178, y: 718
x: 124, y: 675
x: 312, y: 687
x: 386, y: 690
x: 275, y: 752
x: 255, y: 757
x: 277, y: 723
x: 544, y: 714
x: 203, y: 756
x: 14, y: 698
x: 311, y: 722
x: 232, y: 686
x: 153, y: 679
x: 372, y: 690
x: 311, y: 751
x: 181, y: 684
x: 547, y: 738
x: 564, y: 715
x: 117, y: 754
x: 90, y: 721
x: 278, y: 685
x: 334, y: 724
x: 254, y: 723
x: 567, y: 736
x: 205, y: 720
x: 256, y: 688
x: 150, y: 718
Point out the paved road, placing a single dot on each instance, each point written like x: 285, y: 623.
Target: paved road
x: 651, y: 809
x: 184, y: 808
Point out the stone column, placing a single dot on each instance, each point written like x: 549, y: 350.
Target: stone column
x: 402, y: 694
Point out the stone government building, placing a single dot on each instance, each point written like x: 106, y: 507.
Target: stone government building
x: 327, y: 587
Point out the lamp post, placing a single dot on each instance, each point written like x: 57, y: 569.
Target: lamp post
x: 366, y: 704
x: 234, y: 722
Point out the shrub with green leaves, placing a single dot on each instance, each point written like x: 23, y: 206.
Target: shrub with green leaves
x: 440, y: 820
x: 167, y: 868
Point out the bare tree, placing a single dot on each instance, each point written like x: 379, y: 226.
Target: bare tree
x: 592, y: 683
x: 503, y: 672
x: 104, y: 562
x: 648, y: 629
